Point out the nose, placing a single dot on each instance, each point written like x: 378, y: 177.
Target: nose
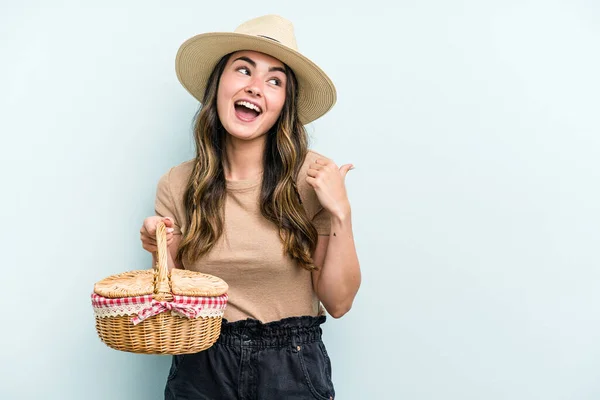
x: 253, y: 89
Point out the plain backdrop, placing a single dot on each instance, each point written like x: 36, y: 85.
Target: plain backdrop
x: 474, y: 128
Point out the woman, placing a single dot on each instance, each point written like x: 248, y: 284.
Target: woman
x: 261, y: 211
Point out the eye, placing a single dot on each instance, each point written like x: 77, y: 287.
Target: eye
x: 275, y: 81
x: 244, y: 70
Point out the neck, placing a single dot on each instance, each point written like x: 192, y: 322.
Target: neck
x: 244, y: 158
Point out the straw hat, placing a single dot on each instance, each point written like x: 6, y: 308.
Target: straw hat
x: 269, y: 34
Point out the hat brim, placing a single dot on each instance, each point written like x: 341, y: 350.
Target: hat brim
x: 198, y: 56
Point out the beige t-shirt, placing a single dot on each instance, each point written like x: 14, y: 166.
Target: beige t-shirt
x: 264, y: 283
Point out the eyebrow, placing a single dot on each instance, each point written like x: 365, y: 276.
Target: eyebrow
x: 253, y: 63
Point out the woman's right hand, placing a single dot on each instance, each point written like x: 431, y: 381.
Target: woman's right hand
x: 148, y: 232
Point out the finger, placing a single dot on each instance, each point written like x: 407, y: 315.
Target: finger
x: 149, y: 228
x: 148, y: 242
x: 313, y: 173
x: 316, y: 166
x: 152, y: 239
x: 322, y: 161
x: 145, y: 237
x: 168, y: 222
x: 327, y: 164
x: 151, y: 249
x: 345, y: 168
x: 312, y: 182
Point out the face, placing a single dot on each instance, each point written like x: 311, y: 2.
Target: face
x: 251, y: 94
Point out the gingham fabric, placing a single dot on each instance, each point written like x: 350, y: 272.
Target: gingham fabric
x: 146, y: 306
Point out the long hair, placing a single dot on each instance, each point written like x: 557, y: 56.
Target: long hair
x: 285, y: 150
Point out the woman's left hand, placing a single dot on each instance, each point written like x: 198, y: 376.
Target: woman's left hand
x: 328, y: 181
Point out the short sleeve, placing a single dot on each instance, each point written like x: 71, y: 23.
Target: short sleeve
x: 164, y: 205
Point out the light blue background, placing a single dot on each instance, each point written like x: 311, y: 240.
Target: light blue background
x: 474, y: 127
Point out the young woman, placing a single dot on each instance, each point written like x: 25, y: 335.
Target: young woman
x: 260, y: 210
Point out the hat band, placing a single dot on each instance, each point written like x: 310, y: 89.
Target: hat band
x: 266, y: 37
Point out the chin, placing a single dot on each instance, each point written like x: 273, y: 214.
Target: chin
x: 246, y: 131
x: 244, y: 134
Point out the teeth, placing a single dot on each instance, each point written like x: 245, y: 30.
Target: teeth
x: 249, y: 105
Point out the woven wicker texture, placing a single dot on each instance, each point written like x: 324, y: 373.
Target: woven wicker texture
x: 139, y: 283
x: 190, y: 283
x: 127, y: 284
x: 164, y: 333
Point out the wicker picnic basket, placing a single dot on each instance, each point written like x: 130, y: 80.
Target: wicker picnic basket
x: 156, y: 312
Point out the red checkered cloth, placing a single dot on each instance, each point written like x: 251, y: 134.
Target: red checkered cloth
x: 186, y: 306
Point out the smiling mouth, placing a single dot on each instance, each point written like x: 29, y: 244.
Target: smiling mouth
x: 247, y: 111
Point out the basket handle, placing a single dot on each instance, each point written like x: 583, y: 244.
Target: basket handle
x: 162, y: 277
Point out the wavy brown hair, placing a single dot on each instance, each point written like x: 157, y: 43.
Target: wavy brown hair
x: 285, y: 150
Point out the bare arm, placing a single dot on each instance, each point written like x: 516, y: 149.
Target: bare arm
x: 338, y: 279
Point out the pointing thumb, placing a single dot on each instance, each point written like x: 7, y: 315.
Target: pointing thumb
x: 345, y: 168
